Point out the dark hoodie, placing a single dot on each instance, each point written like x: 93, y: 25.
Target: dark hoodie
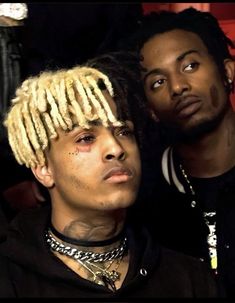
x: 29, y: 269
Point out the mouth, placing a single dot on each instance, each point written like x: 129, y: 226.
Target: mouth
x: 187, y: 107
x: 118, y: 175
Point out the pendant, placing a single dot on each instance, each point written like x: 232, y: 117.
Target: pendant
x: 108, y: 282
x: 109, y: 278
x: 111, y: 275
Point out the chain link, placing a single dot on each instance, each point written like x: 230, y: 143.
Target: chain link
x: 86, y: 255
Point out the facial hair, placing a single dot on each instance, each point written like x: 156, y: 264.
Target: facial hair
x: 173, y: 133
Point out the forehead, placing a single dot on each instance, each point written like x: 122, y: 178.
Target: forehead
x: 169, y: 45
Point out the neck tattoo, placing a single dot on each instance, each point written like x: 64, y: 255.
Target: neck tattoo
x: 94, y: 263
x: 208, y: 218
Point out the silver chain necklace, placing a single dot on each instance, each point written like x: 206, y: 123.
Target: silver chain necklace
x: 211, y: 238
x: 85, y: 255
x: 100, y: 275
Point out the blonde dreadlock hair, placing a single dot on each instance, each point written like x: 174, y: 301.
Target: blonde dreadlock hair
x: 49, y: 101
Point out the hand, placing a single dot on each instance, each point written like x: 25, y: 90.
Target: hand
x: 7, y: 21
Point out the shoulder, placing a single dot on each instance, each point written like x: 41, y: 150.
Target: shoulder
x: 189, y: 271
x: 184, y: 262
x: 6, y: 289
x: 27, y: 225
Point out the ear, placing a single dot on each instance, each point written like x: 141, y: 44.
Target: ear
x: 230, y: 69
x: 153, y: 115
x: 44, y: 175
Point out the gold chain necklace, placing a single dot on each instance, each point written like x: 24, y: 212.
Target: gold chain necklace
x: 103, y: 276
x: 211, y: 238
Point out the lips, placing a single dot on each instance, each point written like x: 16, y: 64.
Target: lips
x: 118, y: 174
x: 187, y: 106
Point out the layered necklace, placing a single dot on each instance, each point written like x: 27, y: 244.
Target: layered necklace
x: 94, y: 263
x: 209, y: 218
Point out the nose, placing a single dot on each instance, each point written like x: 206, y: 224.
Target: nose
x: 113, y: 150
x: 178, y: 85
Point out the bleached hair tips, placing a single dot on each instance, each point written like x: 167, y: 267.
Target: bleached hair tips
x: 50, y: 101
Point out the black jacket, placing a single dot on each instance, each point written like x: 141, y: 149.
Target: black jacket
x: 29, y: 269
x: 177, y: 225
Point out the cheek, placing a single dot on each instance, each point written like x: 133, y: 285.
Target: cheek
x: 79, y: 182
x: 155, y: 104
x: 82, y: 159
x: 79, y: 150
x: 214, y: 96
x: 158, y: 101
x: 137, y: 160
x: 162, y: 110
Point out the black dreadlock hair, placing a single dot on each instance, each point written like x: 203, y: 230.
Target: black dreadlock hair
x: 122, y: 69
x: 203, y: 24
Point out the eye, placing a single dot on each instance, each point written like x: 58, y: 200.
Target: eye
x: 125, y: 132
x: 86, y: 139
x: 192, y: 66
x: 157, y: 83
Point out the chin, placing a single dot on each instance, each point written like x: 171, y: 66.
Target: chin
x: 193, y: 130
x: 199, y: 129
x: 119, y: 201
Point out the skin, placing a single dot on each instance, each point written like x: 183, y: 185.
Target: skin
x: 7, y: 21
x: 85, y: 205
x: 186, y: 91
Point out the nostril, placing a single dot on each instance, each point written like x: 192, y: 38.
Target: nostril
x: 122, y: 156
x: 109, y: 157
x: 179, y: 89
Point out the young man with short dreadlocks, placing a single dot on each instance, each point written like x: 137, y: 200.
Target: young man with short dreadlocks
x: 187, y: 73
x: 74, y: 129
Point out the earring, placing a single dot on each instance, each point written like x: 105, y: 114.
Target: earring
x: 229, y: 81
x: 154, y: 116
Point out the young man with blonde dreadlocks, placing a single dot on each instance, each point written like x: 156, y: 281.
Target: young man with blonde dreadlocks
x: 74, y: 129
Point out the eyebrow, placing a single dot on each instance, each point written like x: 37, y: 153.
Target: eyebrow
x: 179, y: 58
x: 76, y: 125
x: 94, y: 123
x: 182, y: 56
